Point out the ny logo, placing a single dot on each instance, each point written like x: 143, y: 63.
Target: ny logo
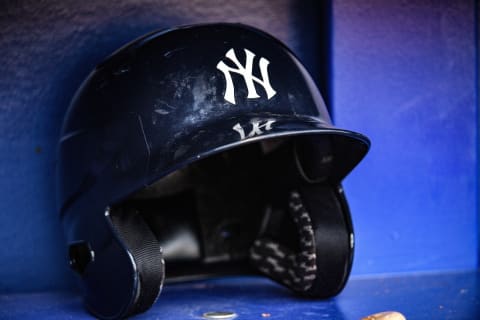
x: 246, y: 73
x: 257, y: 126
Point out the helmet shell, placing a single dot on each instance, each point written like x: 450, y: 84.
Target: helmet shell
x: 162, y: 102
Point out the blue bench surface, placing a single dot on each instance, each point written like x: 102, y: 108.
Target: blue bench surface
x: 453, y: 295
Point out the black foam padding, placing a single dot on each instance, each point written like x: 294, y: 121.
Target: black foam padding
x: 295, y: 269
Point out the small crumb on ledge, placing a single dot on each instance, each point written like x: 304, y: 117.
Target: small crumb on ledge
x: 387, y: 315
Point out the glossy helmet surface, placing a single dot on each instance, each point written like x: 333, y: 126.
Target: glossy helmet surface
x: 208, y: 148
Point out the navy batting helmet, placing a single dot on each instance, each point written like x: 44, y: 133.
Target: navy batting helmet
x: 209, y: 149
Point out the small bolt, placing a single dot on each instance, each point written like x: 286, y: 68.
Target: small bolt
x: 219, y: 315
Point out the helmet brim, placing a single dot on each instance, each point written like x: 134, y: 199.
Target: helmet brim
x: 232, y: 133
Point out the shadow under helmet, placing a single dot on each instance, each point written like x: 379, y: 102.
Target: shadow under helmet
x: 197, y: 151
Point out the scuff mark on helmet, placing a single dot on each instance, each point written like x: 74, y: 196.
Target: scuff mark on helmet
x: 147, y: 147
x: 162, y: 108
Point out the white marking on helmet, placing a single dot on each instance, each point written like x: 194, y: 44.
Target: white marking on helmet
x: 247, y: 73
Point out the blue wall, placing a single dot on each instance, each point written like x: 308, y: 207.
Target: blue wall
x: 402, y: 74
x: 405, y: 75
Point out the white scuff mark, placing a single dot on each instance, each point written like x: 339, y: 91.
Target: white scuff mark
x: 162, y: 108
x: 181, y: 151
x: 182, y: 86
x: 203, y: 92
x: 162, y: 111
x: 147, y: 145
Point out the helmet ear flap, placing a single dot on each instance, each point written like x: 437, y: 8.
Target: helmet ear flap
x: 146, y: 252
x: 334, y: 238
x: 123, y: 272
x: 314, y: 257
x: 106, y: 267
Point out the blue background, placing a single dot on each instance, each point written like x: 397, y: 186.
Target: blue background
x: 403, y: 74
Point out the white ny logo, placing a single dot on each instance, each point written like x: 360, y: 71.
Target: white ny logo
x: 246, y: 73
